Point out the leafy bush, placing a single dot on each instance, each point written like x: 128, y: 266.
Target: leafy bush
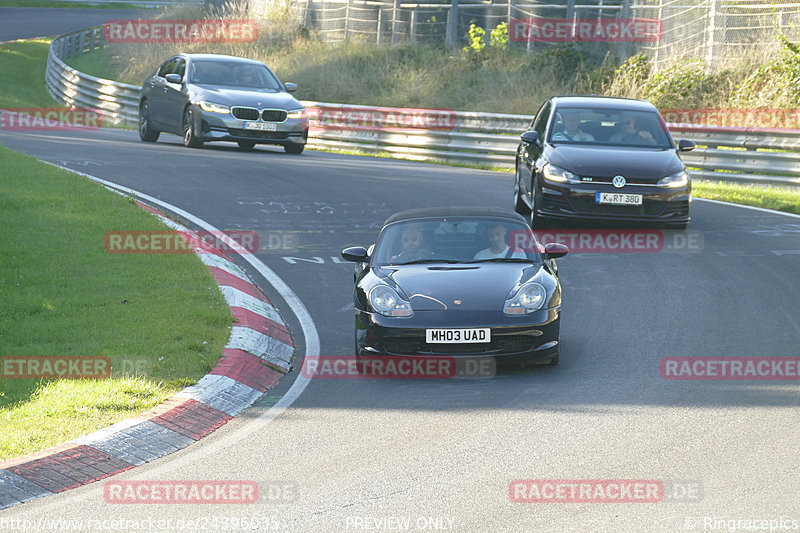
x: 477, y: 39
x: 774, y: 84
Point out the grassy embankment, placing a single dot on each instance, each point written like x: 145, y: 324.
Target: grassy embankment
x: 62, y: 294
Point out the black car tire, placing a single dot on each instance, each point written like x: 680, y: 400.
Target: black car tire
x: 190, y: 140
x: 294, y: 148
x: 519, y: 204
x: 146, y: 133
x: 536, y: 220
x: 246, y: 145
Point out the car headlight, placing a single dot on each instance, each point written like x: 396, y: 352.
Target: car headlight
x: 297, y: 113
x: 529, y: 298
x: 559, y: 175
x: 386, y: 301
x: 211, y: 107
x: 679, y: 179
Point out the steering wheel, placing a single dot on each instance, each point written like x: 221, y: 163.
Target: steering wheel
x: 413, y: 254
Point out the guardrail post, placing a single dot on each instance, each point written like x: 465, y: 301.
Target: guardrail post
x: 379, y: 37
x: 413, y: 29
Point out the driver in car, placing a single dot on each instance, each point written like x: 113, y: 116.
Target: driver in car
x: 413, y: 245
x: 498, y: 247
x: 246, y: 77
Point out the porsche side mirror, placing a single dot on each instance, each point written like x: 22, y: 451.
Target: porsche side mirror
x: 356, y: 254
x: 685, y: 145
x: 554, y: 250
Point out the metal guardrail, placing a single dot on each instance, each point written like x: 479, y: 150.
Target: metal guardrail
x: 747, y: 155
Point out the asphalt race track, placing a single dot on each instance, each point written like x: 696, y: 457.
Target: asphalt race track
x: 29, y: 22
x: 361, y: 455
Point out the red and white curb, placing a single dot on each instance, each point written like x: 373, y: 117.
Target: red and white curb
x: 258, y: 353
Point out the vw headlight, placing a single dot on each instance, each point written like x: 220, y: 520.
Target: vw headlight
x: 529, y: 298
x: 386, y: 301
x: 679, y: 179
x: 297, y: 113
x: 559, y: 175
x: 211, y: 107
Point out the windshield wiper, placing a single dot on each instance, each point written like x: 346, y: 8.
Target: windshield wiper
x: 418, y: 261
x: 502, y: 260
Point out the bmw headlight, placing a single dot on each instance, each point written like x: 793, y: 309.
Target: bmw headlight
x: 297, y: 113
x: 211, y: 107
x: 679, y: 179
x: 529, y: 298
x: 386, y: 301
x: 559, y: 175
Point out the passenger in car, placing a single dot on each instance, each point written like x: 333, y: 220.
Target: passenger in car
x: 630, y: 133
x: 499, y: 248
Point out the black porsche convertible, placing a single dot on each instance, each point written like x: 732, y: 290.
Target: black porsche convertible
x: 457, y: 281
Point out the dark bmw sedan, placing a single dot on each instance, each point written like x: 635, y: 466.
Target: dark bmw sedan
x: 208, y: 97
x: 457, y: 281
x: 597, y: 157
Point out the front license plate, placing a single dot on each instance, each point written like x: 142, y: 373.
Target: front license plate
x: 616, y: 198
x: 261, y: 126
x: 452, y: 336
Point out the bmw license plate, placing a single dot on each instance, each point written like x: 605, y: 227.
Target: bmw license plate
x: 261, y: 126
x: 463, y: 335
x: 616, y: 198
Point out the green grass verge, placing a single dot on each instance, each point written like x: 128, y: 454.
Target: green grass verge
x: 63, y: 294
x: 23, y: 64
x: 777, y: 198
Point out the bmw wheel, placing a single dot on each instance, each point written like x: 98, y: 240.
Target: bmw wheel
x: 146, y: 134
x: 190, y: 140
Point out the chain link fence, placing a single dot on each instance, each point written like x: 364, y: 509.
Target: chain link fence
x: 715, y: 31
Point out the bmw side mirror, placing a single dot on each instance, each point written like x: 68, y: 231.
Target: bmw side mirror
x: 685, y: 145
x: 356, y: 254
x: 530, y: 137
x: 290, y: 87
x: 554, y: 250
x: 173, y: 78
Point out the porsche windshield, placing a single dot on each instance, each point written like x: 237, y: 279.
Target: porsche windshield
x: 455, y: 240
